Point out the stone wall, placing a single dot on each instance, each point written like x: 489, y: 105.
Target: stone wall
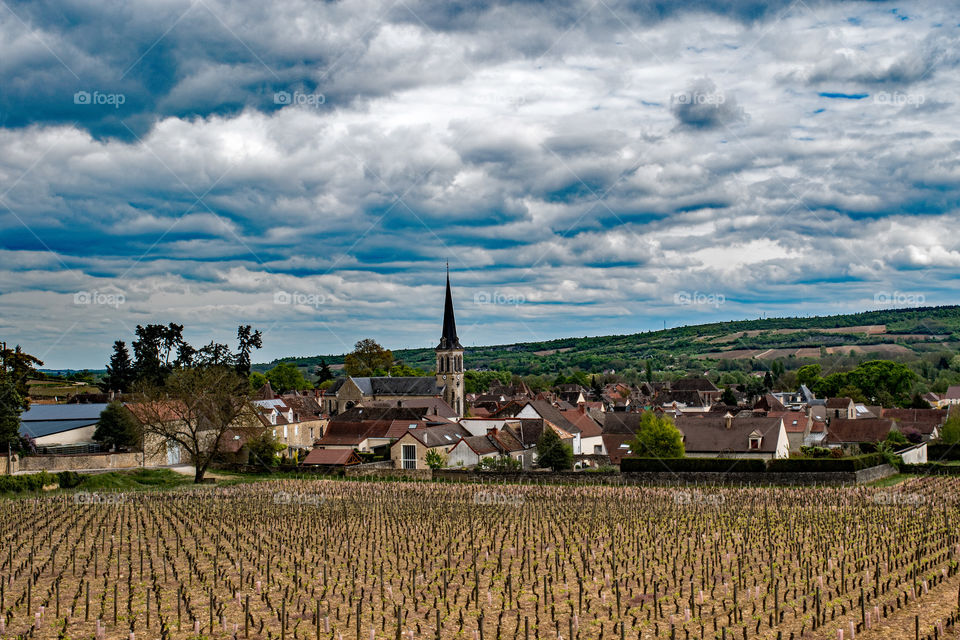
x: 82, y: 462
x: 385, y: 469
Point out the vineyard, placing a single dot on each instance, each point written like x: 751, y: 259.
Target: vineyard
x: 335, y: 560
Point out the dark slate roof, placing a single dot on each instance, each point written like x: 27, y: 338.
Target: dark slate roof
x: 621, y: 423
x: 863, y: 430
x: 708, y: 433
x: 693, y: 384
x: 388, y: 386
x: 448, y: 338
x: 46, y: 419
x: 442, y: 436
x: 838, y: 403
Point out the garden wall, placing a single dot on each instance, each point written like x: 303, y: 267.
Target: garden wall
x: 80, y: 462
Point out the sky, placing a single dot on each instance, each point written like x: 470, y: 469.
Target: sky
x: 586, y: 168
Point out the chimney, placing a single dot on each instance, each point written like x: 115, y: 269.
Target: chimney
x: 728, y: 420
x: 491, y: 431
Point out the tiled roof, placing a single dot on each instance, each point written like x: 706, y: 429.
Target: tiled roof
x: 844, y: 430
x: 709, y: 433
x: 332, y: 457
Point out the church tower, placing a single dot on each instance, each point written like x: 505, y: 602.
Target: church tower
x: 450, y: 357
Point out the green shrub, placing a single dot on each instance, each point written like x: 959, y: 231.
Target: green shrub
x: 676, y: 465
x: 69, y: 479
x: 942, y: 451
x: 19, y: 484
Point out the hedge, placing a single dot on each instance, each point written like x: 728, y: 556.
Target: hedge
x: 943, y: 452
x: 713, y: 465
x: 812, y: 465
x: 32, y: 482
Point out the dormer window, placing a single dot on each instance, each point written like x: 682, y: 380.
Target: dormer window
x: 755, y: 442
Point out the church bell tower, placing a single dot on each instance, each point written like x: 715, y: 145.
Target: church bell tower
x: 450, y: 357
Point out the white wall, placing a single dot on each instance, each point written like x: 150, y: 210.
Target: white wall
x: 82, y: 435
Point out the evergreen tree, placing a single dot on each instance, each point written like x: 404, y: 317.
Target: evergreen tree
x: 552, y: 452
x: 323, y: 372
x: 117, y: 427
x: 657, y: 437
x: 120, y: 373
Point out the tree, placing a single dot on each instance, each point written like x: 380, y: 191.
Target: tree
x: 896, y: 438
x: 11, y: 406
x: 154, y: 348
x: 193, y: 408
x: 883, y: 380
x: 809, y: 375
x: 648, y: 371
x: 257, y: 380
x: 117, y: 428
x: 917, y: 402
x: 248, y: 341
x: 950, y: 432
x: 120, y: 372
x: 323, y: 373
x: 657, y: 437
x: 435, y: 459
x: 19, y: 367
x: 552, y: 452
x: 767, y: 380
x: 728, y: 398
x: 287, y: 377
x: 263, y: 448
x: 367, y: 359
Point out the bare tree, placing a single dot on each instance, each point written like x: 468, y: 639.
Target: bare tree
x: 195, y: 408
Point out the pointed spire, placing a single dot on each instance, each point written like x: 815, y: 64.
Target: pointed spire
x: 449, y: 339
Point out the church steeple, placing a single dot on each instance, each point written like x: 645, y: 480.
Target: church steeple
x: 449, y: 370
x: 449, y: 339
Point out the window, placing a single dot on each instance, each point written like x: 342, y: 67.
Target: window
x: 284, y: 432
x: 598, y: 449
x: 409, y: 456
x: 754, y: 443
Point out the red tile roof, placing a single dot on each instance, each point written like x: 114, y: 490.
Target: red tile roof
x: 331, y: 457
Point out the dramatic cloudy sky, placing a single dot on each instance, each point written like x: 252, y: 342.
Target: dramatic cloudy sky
x: 586, y: 168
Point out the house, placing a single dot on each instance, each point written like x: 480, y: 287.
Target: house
x: 62, y: 428
x: 573, y: 394
x: 333, y: 458
x: 371, y: 430
x: 288, y: 424
x: 797, y: 424
x: 591, y: 433
x: 844, y: 408
x: 952, y: 396
x: 470, y: 450
x: 743, y: 436
x: 818, y: 434
x: 927, y: 422
x: 540, y: 409
x: 848, y: 432
x: 410, y: 450
x: 615, y: 446
x: 769, y: 402
x: 709, y: 393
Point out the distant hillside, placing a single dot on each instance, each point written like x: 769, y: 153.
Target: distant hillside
x: 897, y: 333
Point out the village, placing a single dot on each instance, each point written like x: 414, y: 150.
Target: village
x: 387, y: 424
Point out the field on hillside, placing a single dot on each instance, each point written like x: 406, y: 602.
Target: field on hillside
x: 901, y: 333
x: 419, y: 561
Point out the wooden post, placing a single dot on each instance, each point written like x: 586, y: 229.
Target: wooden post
x: 246, y: 617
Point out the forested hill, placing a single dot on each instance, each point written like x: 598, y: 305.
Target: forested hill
x: 896, y: 333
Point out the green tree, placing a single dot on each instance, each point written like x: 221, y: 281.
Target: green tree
x: 11, y: 406
x: 809, y: 375
x: 257, y: 380
x: 657, y: 437
x: 323, y: 372
x: 896, y: 438
x: 248, y: 340
x: 950, y: 432
x: 728, y: 398
x: 367, y: 359
x: 287, y: 377
x: 435, y: 459
x: 263, y: 448
x: 552, y: 452
x: 884, y: 380
x: 120, y: 374
x: 117, y: 427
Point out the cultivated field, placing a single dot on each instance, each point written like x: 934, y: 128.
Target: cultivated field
x: 418, y: 561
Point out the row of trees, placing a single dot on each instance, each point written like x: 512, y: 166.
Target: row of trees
x: 161, y: 349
